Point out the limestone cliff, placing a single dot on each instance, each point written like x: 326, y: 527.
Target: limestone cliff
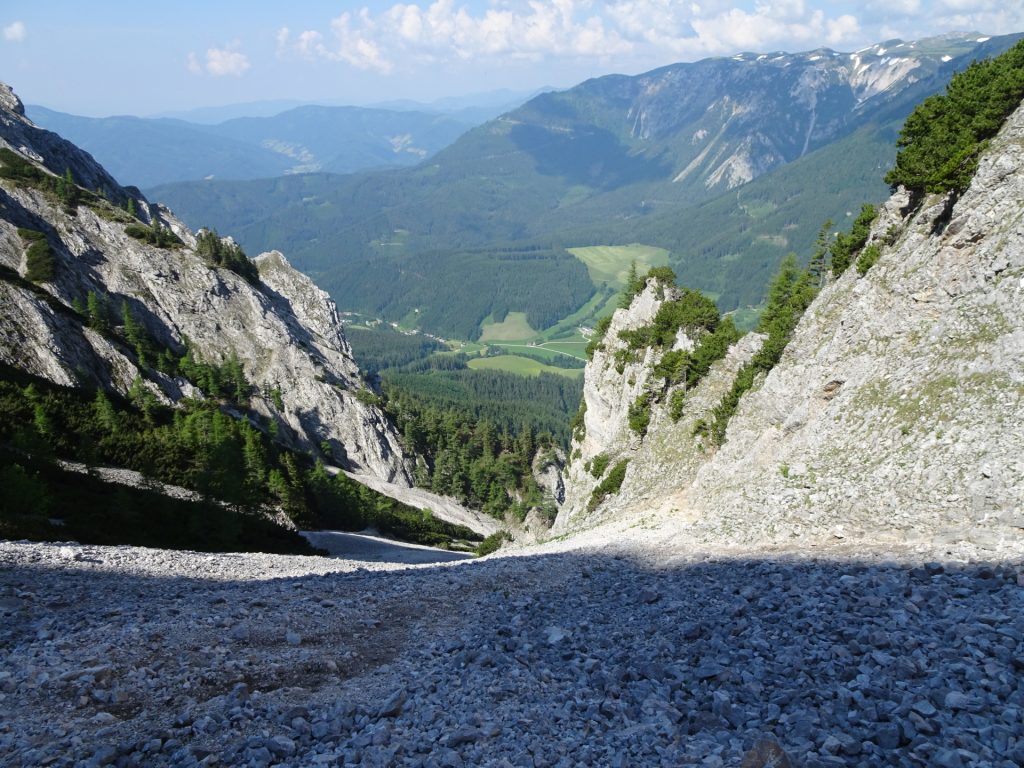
x: 663, y: 461
x: 285, y: 332
x: 896, y: 412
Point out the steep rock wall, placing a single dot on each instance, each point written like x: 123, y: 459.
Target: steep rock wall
x: 662, y: 462
x: 897, y: 411
x: 895, y: 415
x: 284, y: 330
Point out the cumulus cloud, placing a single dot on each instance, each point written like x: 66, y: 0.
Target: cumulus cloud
x: 908, y: 19
x: 226, y: 61
x: 15, y: 31
x: 414, y: 33
x: 716, y: 28
x: 219, y: 61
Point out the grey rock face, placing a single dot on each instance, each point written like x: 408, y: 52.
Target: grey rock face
x: 897, y: 410
x: 284, y: 330
x: 667, y: 458
x: 547, y: 472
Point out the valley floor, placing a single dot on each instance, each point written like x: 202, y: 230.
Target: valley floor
x: 564, y: 655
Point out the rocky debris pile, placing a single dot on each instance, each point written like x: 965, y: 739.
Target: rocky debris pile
x: 115, y: 656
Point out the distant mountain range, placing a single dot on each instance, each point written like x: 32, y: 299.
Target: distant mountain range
x: 728, y: 163
x: 481, y: 106
x: 151, y: 151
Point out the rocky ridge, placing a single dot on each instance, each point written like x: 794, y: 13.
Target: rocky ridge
x: 56, y: 155
x: 901, y: 396
x: 283, y: 329
x: 721, y: 122
x: 896, y: 410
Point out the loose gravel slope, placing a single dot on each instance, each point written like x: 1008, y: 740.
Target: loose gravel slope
x: 121, y: 656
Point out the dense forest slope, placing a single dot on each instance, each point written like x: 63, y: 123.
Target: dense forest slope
x: 614, y: 160
x: 895, y: 410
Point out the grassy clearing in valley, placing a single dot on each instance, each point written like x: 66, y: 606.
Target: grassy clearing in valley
x: 515, y: 327
x: 521, y: 365
x: 609, y: 264
x: 577, y: 346
x: 547, y: 350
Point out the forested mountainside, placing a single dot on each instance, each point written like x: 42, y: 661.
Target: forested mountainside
x: 129, y: 341
x: 668, y: 159
x: 152, y: 151
x: 886, y: 407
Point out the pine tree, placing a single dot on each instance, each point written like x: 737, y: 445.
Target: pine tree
x: 254, y: 459
x: 97, y: 311
x: 104, y: 411
x: 816, y: 266
x: 67, y: 190
x: 634, y: 284
x: 134, y: 333
x: 143, y: 399
x: 233, y: 377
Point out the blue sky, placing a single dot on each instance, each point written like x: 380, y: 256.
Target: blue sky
x: 101, y: 58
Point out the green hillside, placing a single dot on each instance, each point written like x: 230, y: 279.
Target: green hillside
x: 618, y: 160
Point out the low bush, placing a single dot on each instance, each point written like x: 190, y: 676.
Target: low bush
x: 609, y: 486
x: 492, y: 543
x: 40, y: 260
x: 867, y: 259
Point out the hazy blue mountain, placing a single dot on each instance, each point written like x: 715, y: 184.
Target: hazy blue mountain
x: 345, y: 139
x: 220, y: 114
x: 670, y: 158
x: 151, y: 151
x: 472, y: 109
x: 144, y: 152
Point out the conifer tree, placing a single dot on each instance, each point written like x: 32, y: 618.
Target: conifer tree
x: 97, y: 312
x: 816, y: 266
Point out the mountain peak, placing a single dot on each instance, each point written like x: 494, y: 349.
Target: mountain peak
x: 9, y: 100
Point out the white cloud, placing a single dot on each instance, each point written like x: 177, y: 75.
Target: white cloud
x: 897, y: 7
x: 15, y: 32
x: 220, y: 61
x: 283, y: 38
x: 976, y: 6
x: 410, y: 34
x: 840, y: 30
x: 911, y: 19
x: 226, y: 61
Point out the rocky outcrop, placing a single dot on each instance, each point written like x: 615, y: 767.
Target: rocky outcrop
x: 666, y: 459
x: 547, y: 473
x: 897, y: 411
x: 52, y: 152
x: 285, y: 332
x: 895, y: 415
